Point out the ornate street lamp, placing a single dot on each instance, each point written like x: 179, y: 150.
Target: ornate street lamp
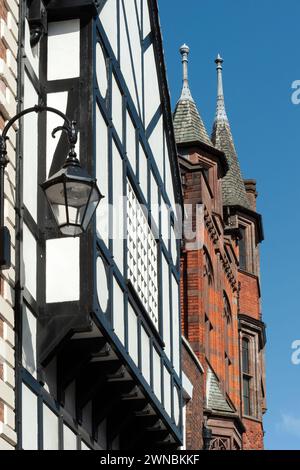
x: 71, y: 193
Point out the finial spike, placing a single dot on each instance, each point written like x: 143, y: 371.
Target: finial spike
x: 186, y: 93
x: 221, y: 111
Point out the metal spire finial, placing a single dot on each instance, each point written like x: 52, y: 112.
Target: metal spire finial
x: 221, y: 111
x: 186, y: 93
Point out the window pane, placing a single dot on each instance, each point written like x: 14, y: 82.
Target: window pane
x: 242, y: 249
x: 246, y: 395
x: 245, y: 352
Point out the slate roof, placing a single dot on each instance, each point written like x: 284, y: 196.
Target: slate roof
x: 215, y: 400
x: 188, y: 125
x: 233, y: 188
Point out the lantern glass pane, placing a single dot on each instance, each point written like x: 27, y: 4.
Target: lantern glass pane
x: 92, y: 206
x: 78, y: 195
x: 56, y: 198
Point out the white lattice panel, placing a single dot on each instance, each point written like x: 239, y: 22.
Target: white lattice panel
x: 142, y: 256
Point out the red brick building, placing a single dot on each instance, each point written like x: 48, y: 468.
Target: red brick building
x: 223, y: 332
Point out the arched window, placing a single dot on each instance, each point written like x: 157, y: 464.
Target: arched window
x: 247, y: 377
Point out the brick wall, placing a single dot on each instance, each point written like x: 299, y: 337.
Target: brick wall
x: 249, y: 295
x: 253, y: 438
x: 194, y: 408
x: 9, y: 17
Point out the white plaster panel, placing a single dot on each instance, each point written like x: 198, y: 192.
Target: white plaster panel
x: 50, y: 429
x: 102, y: 285
x: 84, y: 446
x: 176, y: 326
x: 32, y: 54
x: 29, y: 259
x: 146, y: 19
x: 152, y: 95
x: 29, y: 341
x: 169, y: 180
x: 165, y: 290
x: 143, y: 172
x: 102, y: 215
x: 62, y: 270
x: 131, y: 54
x: 132, y: 334
x: 118, y: 311
x: 101, y: 70
x: 154, y: 200
x: 167, y: 392
x: 64, y: 49
x: 30, y: 149
x: 176, y: 409
x: 118, y: 209
x: 29, y: 419
x: 117, y: 108
x: 156, y: 141
x: 108, y: 18
x: 70, y: 440
x: 156, y: 374
x: 131, y: 142
x: 58, y: 101
x: 145, y: 347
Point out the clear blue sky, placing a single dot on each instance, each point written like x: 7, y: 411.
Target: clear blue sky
x: 260, y: 44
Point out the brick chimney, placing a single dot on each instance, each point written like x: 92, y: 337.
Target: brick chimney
x: 250, y: 186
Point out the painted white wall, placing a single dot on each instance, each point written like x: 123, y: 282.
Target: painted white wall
x: 50, y: 429
x: 176, y: 326
x: 156, y: 141
x: 62, y: 270
x: 167, y: 392
x: 156, y: 374
x: 146, y: 19
x: 101, y: 70
x: 29, y: 419
x: 30, y: 149
x: 132, y: 334
x: 29, y: 258
x: 29, y: 341
x: 130, y: 52
x: 58, y: 101
x: 152, y: 95
x: 102, y: 215
x: 131, y: 142
x: 70, y: 439
x: 32, y: 54
x: 119, y: 311
x: 117, y: 108
x: 102, y: 285
x: 166, y: 306
x: 64, y: 49
x: 143, y: 174
x: 108, y: 18
x: 118, y: 209
x: 145, y: 354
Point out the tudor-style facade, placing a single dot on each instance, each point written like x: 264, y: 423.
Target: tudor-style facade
x: 98, y: 362
x: 224, y: 335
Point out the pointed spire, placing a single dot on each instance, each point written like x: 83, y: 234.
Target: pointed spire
x: 221, y: 111
x: 188, y: 124
x: 233, y: 188
x: 186, y: 93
